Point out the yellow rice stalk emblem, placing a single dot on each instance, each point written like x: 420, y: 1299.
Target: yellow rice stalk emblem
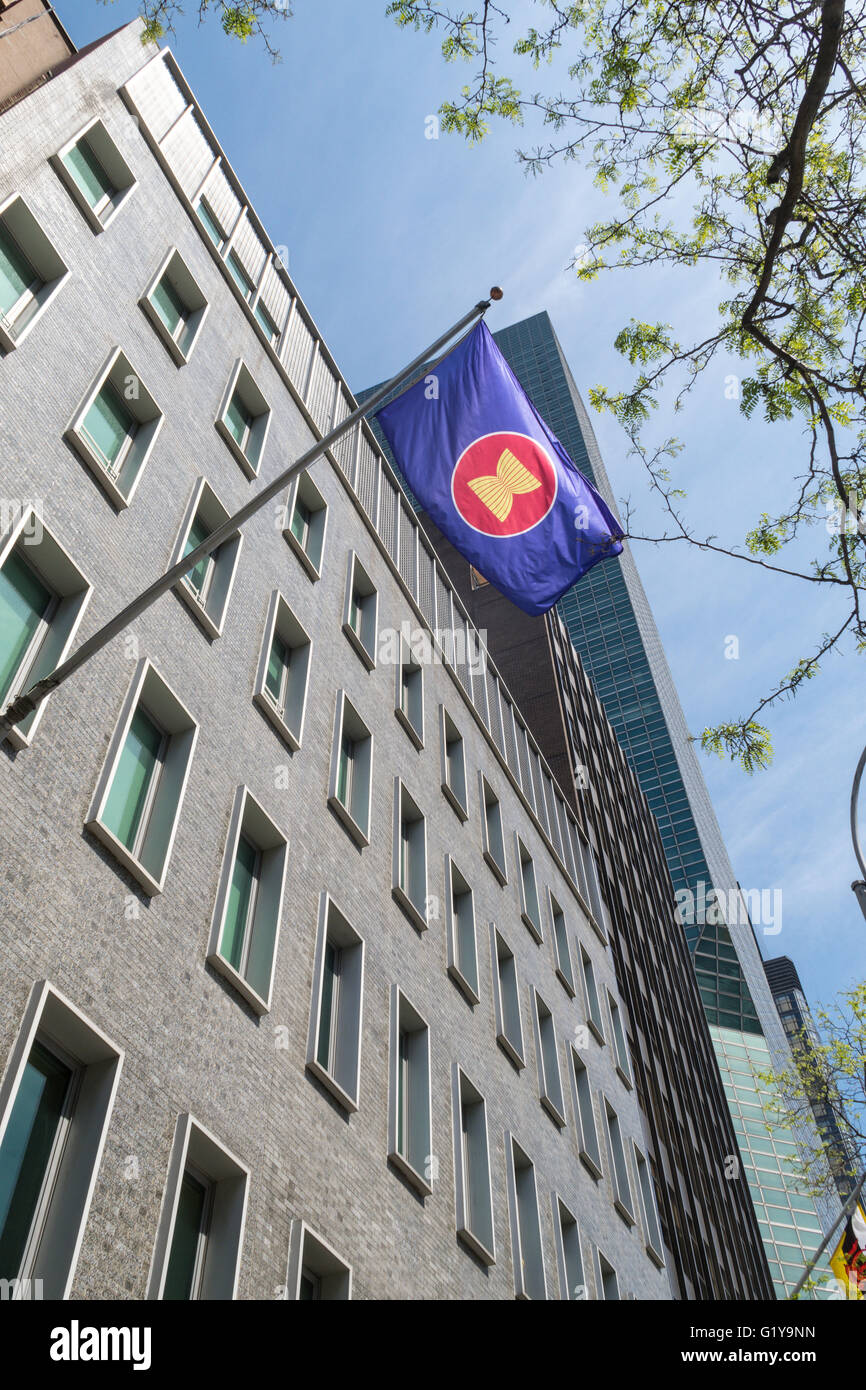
x: 498, y: 491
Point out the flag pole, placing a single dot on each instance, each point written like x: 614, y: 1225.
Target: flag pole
x: 847, y: 1210
x: 30, y: 699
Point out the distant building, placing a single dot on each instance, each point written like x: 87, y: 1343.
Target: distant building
x: 33, y: 45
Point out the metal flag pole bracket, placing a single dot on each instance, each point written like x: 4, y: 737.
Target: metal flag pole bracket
x: 30, y: 699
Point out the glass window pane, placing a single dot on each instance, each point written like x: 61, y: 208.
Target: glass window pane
x: 24, y: 601
x: 238, y: 419
x: 169, y: 305
x: 198, y: 533
x: 16, y: 272
x: 26, y: 1150
x: 241, y: 892
x: 108, y: 423
x: 210, y: 224
x: 185, y: 1240
x: 88, y: 173
x: 278, y: 663
x: 131, y: 783
x: 240, y: 276
x: 301, y: 518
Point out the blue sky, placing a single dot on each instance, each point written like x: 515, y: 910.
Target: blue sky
x: 392, y: 235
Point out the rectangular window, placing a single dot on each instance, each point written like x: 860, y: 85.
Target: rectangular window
x: 31, y: 272
x: 564, y: 969
x: 569, y: 1258
x: 619, y: 1168
x: 409, y: 1141
x: 410, y: 857
x: 351, y: 770
x: 462, y: 948
x: 334, y: 1044
x: 176, y: 307
x: 649, y: 1208
x: 266, y: 323
x: 42, y: 600
x: 409, y: 703
x: 244, y: 420
x: 316, y: 1272
x: 140, y: 791
x: 55, y: 1105
x: 246, y: 921
x: 307, y: 515
x: 529, y: 1277
x: 620, y: 1048
x: 360, y: 613
x: 590, y: 990
x: 115, y: 428
x: 506, y: 1000
x: 549, y: 1078
x: 530, y: 911
x: 200, y: 1230
x: 584, y: 1113
x: 206, y: 588
x: 211, y: 224
x: 453, y: 760
x: 96, y: 174
x: 284, y: 672
x: 472, y: 1168
x: 607, y: 1281
x: 240, y: 277
x: 492, y: 837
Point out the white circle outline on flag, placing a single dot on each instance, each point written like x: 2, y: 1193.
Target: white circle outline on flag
x: 518, y: 434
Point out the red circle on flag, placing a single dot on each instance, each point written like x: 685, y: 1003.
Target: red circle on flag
x: 504, y: 484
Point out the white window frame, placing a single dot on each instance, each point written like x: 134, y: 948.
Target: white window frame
x: 514, y: 1048
x: 454, y: 952
x: 620, y: 1042
x: 248, y: 455
x: 195, y: 1147
x: 523, y: 858
x: 412, y: 719
x: 162, y: 705
x: 121, y: 483
x: 488, y: 799
x: 417, y: 913
x: 623, y: 1200
x: 526, y: 1282
x: 72, y: 592
x: 564, y: 970
x: 565, y: 1219
x: 173, y: 267
x: 287, y: 714
x: 417, y: 1082
x: 335, y: 926
x: 650, y: 1223
x: 365, y: 641
x: 446, y: 726
x: 595, y: 1025
x: 550, y: 1090
x: 52, y: 271
x: 588, y: 1147
x: 478, y: 1235
x: 249, y: 818
x: 109, y: 156
x: 312, y: 558
x: 51, y: 1018
x: 309, y: 1251
x: 210, y: 607
x: 601, y: 1259
x: 359, y: 832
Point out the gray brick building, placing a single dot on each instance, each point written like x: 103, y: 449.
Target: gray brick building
x: 282, y: 1012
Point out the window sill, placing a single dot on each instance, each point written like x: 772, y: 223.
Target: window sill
x: 253, y: 998
x: 596, y: 1031
x: 497, y: 870
x: 348, y: 1102
x: 534, y: 930
x: 476, y: 1246
x: 293, y: 542
x: 599, y: 930
x: 554, y: 1112
x: 150, y: 885
x: 235, y: 449
x: 416, y: 917
x: 624, y: 1077
x: 10, y: 339
x: 463, y: 985
x: 454, y: 801
x: 354, y: 829
x: 201, y: 615
x: 590, y: 1164
x: 624, y: 1212
x: 411, y: 1174
x: 172, y: 346
x: 368, y: 659
x: 119, y: 499
x: 403, y: 718
x: 511, y: 1052
x: 272, y: 714
x: 655, y: 1255
x: 567, y: 984
x: 96, y: 223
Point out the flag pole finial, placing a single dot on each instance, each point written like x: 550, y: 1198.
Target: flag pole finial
x: 496, y: 292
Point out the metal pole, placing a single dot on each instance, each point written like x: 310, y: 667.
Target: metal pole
x: 846, y: 1212
x: 859, y: 886
x: 30, y: 699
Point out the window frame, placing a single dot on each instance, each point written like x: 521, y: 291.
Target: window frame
x: 173, y: 267
x: 242, y: 383
x: 550, y: 1089
x: 250, y: 820
x: 364, y: 646
x: 359, y: 832
x: 588, y: 1152
x: 622, y: 1201
x: 43, y: 257
x: 524, y: 858
x: 345, y: 1088
x: 565, y: 976
x: 121, y: 485
x: 650, y: 1221
x: 334, y: 1274
x: 114, y: 165
x: 414, y: 693
x: 461, y: 808
x: 210, y: 607
x: 454, y: 951
x: 149, y: 689
x: 404, y: 1012
x: 402, y: 895
x: 302, y: 487
x: 519, y: 1237
x: 479, y: 1239
x: 595, y: 1025
x: 619, y: 1039
x: 71, y: 592
x: 563, y: 1255
x: 488, y: 799
x: 514, y: 1049
x: 281, y: 623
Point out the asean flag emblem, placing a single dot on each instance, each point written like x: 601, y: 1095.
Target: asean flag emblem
x: 504, y: 484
